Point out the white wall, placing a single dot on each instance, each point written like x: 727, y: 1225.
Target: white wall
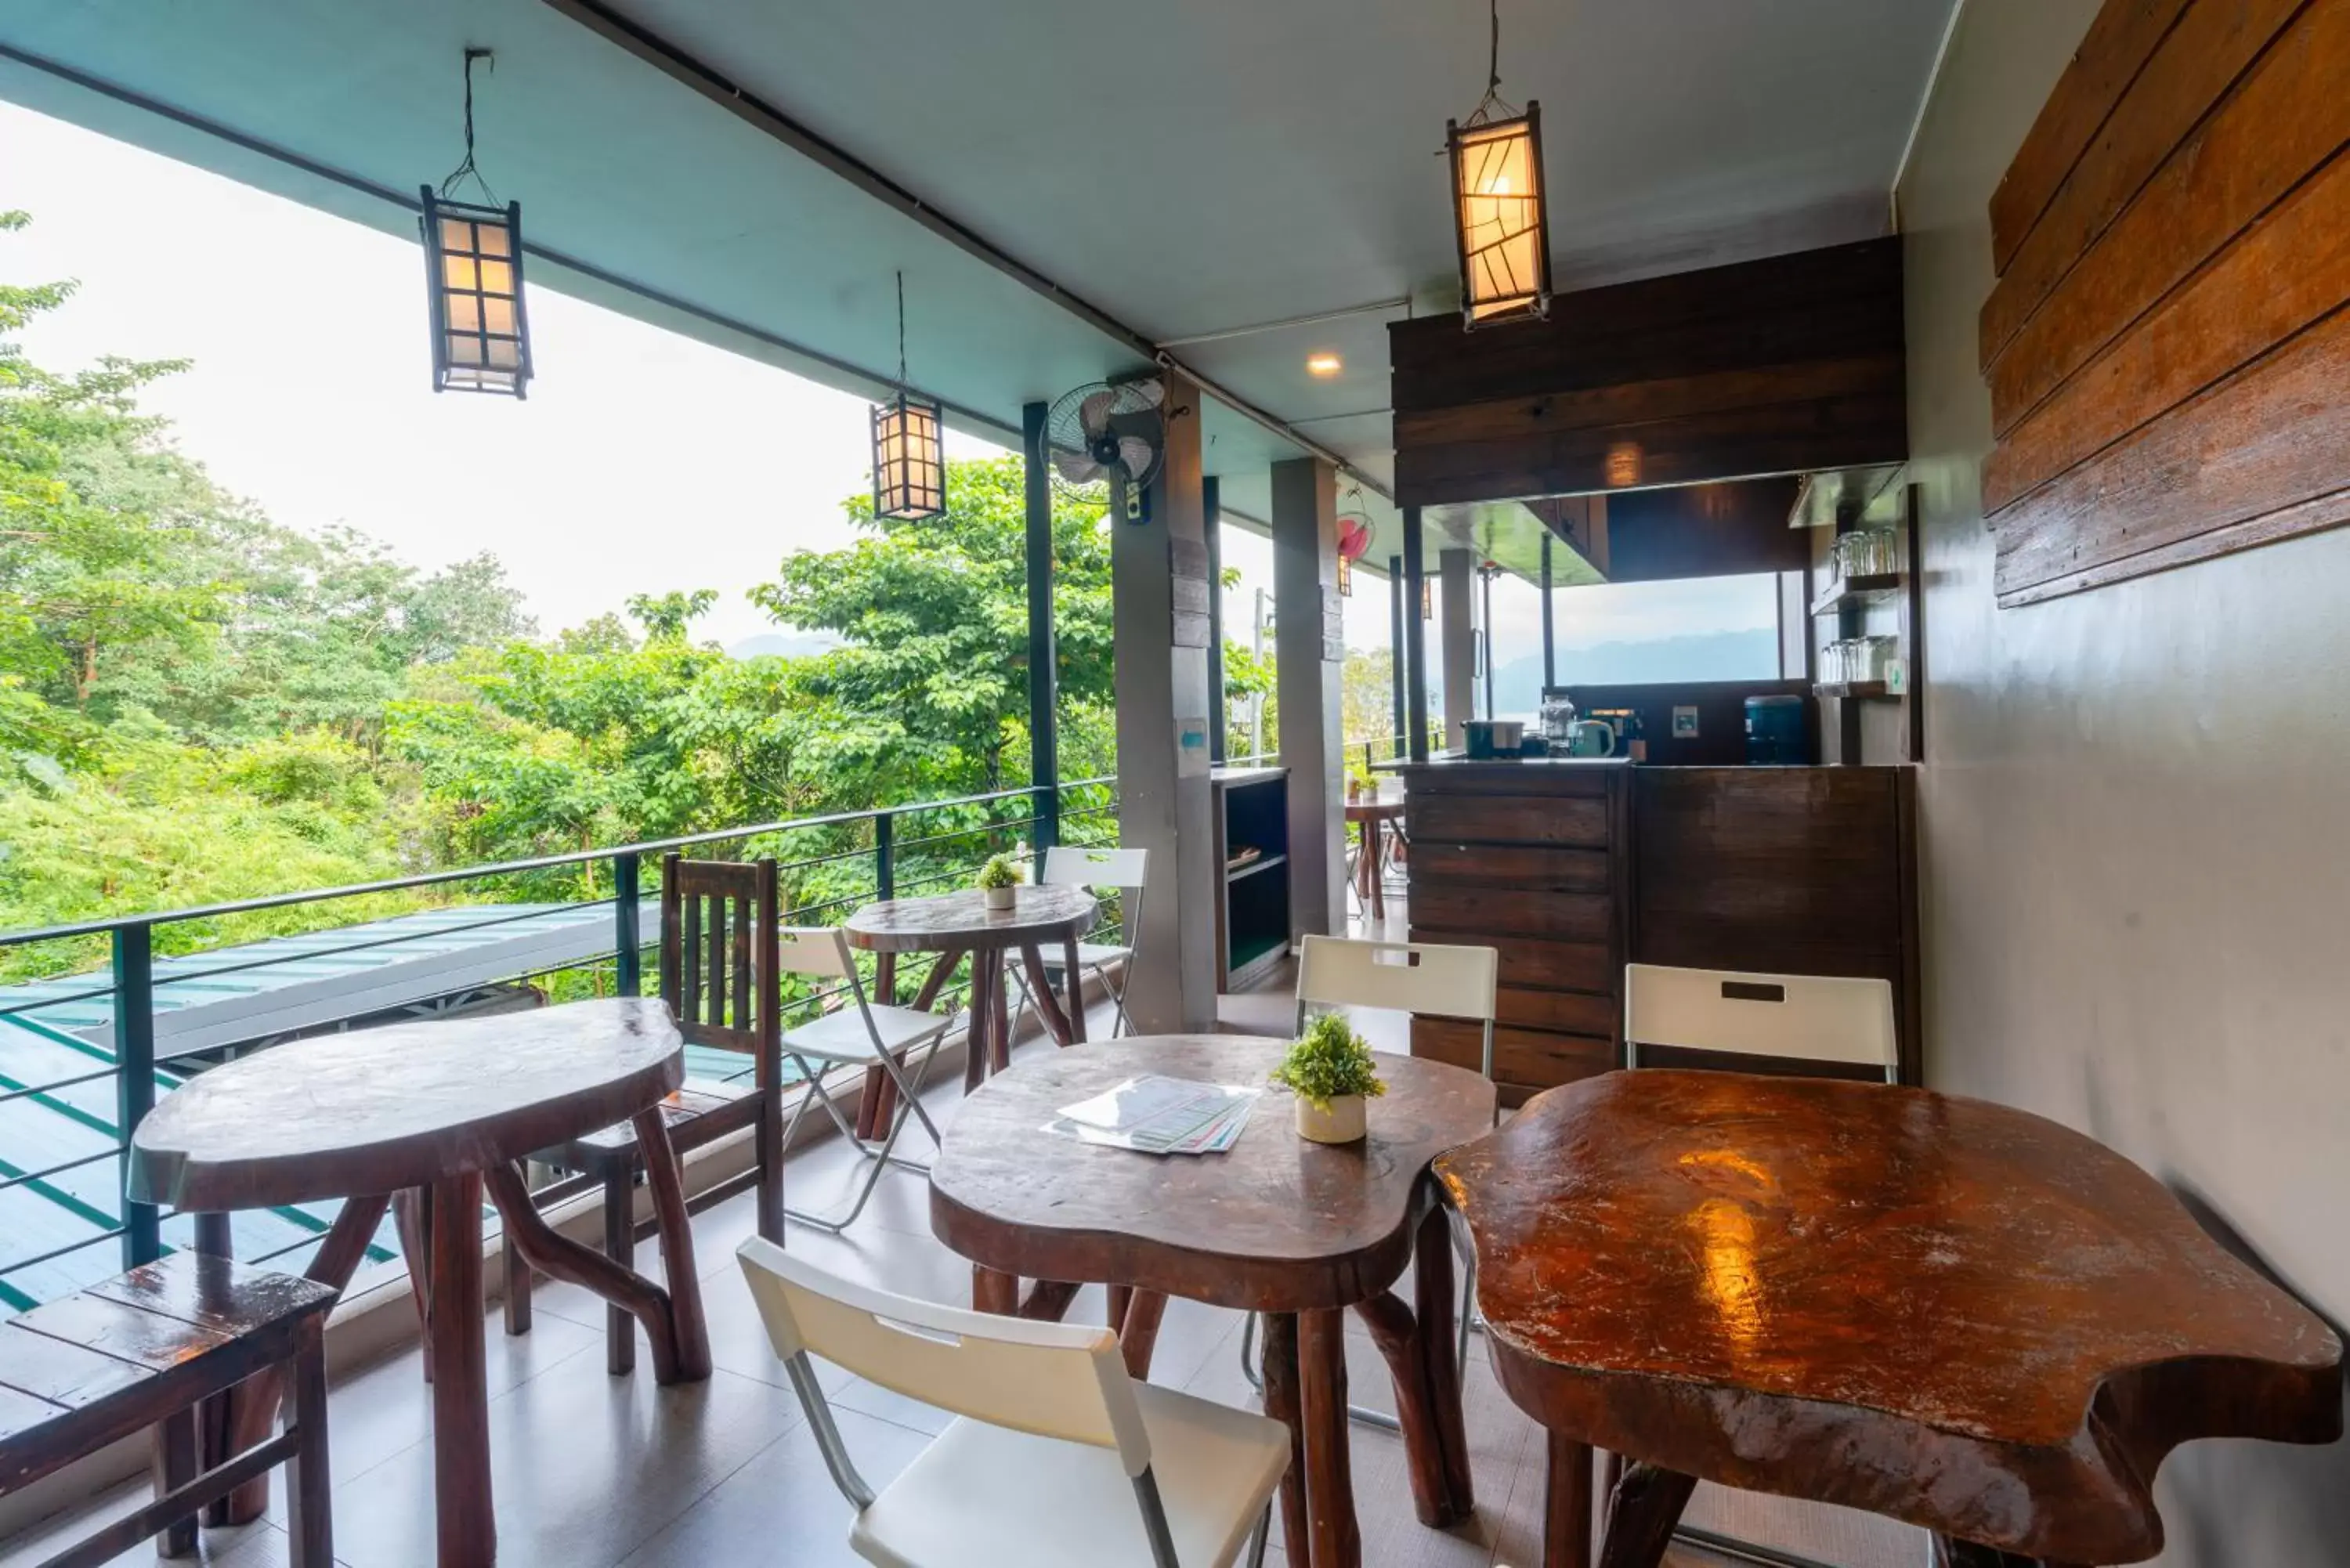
x: 2136, y: 814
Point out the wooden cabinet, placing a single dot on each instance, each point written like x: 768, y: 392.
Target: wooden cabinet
x: 1569, y: 870
x: 1252, y: 847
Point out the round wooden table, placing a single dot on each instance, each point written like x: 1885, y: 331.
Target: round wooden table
x: 954, y: 924
x: 1299, y: 1231
x: 1377, y: 818
x: 1953, y: 1312
x: 443, y: 1109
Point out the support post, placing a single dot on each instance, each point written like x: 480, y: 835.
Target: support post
x: 1455, y: 595
x: 1212, y: 508
x: 1309, y: 651
x: 628, y: 945
x: 134, y: 1076
x: 1043, y: 656
x: 1485, y: 637
x: 1415, y: 640
x: 1159, y: 591
x: 1550, y: 641
x: 1395, y: 654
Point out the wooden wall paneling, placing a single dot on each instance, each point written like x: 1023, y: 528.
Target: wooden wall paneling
x: 2196, y: 63
x: 1473, y: 818
x: 2118, y: 43
x: 1525, y: 1061
x: 2291, y: 269
x: 2274, y: 436
x: 1704, y: 531
x: 2289, y: 116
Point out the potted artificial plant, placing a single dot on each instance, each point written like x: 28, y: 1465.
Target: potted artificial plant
x: 1000, y: 879
x: 1332, y: 1073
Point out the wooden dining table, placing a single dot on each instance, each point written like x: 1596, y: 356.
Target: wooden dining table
x: 1299, y: 1231
x: 1377, y: 816
x: 1952, y: 1312
x: 443, y: 1109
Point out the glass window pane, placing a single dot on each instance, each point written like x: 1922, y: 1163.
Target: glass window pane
x: 458, y: 272
x: 464, y: 349
x: 465, y: 313
x: 497, y: 278
x: 493, y: 239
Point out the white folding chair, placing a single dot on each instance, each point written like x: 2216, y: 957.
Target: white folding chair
x: 1120, y: 870
x: 1424, y: 979
x: 1817, y: 1018
x: 863, y: 1034
x: 1058, y: 1459
x: 1824, y: 1019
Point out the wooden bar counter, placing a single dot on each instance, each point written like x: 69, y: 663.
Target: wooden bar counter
x: 1572, y: 867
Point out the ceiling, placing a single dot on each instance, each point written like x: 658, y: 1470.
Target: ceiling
x: 1186, y: 169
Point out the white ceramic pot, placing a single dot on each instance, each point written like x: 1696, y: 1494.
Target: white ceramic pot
x: 1002, y: 897
x: 1344, y: 1122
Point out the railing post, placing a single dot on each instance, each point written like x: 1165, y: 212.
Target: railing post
x: 628, y: 945
x: 885, y: 857
x: 134, y: 1076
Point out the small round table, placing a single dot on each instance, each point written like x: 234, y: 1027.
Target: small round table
x: 1377, y: 818
x: 447, y: 1107
x: 953, y: 924
x: 1299, y: 1231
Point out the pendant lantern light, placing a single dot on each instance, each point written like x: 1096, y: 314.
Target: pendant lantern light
x: 909, y: 474
x: 1500, y: 224
x: 473, y: 262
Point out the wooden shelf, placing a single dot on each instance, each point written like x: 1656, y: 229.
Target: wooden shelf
x: 1867, y: 589
x: 1262, y: 863
x: 1855, y: 690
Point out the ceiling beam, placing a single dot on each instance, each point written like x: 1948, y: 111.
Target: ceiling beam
x: 690, y: 72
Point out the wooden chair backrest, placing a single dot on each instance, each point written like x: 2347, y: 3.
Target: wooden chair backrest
x: 1789, y: 1017
x: 1052, y: 1379
x: 717, y: 969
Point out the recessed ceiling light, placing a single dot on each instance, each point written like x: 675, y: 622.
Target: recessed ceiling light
x: 1324, y: 364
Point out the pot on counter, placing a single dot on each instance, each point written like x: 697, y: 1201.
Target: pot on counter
x: 1491, y: 738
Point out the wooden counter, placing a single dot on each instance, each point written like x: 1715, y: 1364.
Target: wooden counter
x: 1572, y: 868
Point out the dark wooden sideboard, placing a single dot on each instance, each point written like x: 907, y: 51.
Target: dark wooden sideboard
x: 1571, y: 869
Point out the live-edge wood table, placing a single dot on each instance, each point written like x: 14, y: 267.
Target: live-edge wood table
x: 1299, y: 1231
x: 1953, y: 1312
x: 447, y: 1107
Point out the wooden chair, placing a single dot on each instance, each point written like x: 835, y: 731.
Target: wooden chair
x: 1122, y: 870
x: 864, y: 1034
x: 720, y: 978
x: 1430, y: 978
x: 1057, y: 1460
x: 1795, y: 1022
x: 144, y: 1350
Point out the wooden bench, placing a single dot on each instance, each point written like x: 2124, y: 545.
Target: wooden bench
x: 147, y: 1349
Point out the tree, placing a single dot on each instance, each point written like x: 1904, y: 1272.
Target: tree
x: 931, y: 691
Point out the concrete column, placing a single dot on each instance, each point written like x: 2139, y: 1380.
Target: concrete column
x: 1309, y: 653
x: 1455, y: 593
x: 1158, y: 590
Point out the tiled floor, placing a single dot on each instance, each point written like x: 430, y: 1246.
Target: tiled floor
x: 594, y: 1472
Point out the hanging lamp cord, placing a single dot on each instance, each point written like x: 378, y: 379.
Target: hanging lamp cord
x: 901, y: 332
x: 466, y: 170
x: 1492, y: 105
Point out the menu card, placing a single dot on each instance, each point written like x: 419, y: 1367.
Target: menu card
x: 1156, y: 1114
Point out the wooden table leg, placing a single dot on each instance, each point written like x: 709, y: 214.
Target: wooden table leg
x: 1566, y: 1508
x: 412, y: 1215
x: 1957, y: 1553
x: 980, y: 1048
x: 1329, y: 1471
x: 678, y: 1343
x: 675, y: 1228
x: 253, y: 1407
x: 999, y: 1056
x: 1049, y: 1005
x: 870, y: 1104
x: 1138, y: 1334
x: 1641, y: 1516
x: 1048, y: 1300
x: 1378, y: 832
x: 1074, y: 979
x: 1120, y: 1298
x: 309, y: 1517
x: 1437, y: 1347
x: 468, y: 1530
x: 1280, y: 1403
x: 993, y: 1292
x: 172, y: 1449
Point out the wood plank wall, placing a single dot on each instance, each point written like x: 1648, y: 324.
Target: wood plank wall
x: 1780, y: 366
x: 2166, y: 346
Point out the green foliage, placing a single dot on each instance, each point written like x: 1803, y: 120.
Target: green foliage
x: 1000, y: 871
x: 1332, y: 1060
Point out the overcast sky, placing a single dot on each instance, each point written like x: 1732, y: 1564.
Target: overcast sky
x: 641, y: 461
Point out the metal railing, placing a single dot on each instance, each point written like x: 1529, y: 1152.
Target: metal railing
x: 831, y: 864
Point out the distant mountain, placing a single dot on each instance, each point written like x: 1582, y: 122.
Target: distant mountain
x: 1706, y: 656
x: 783, y: 645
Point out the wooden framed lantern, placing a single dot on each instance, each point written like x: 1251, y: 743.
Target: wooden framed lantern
x: 1500, y: 224
x: 910, y: 475
x: 473, y: 259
